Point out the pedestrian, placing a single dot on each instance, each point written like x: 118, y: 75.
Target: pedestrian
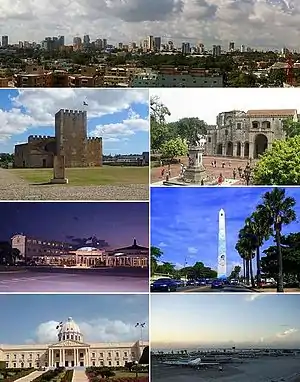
x: 215, y: 163
x: 229, y: 163
x: 162, y: 172
x: 223, y: 164
x: 240, y: 170
x: 167, y: 176
x: 202, y: 182
x: 212, y: 164
x: 220, y: 180
x: 234, y: 173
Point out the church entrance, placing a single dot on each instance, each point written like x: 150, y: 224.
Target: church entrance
x: 219, y: 149
x: 246, y: 150
x: 81, y: 363
x: 229, y: 149
x: 260, y: 145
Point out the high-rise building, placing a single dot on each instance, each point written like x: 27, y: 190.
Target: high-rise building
x: 222, y: 245
x: 86, y: 40
x: 186, y: 48
x: 157, y: 44
x: 4, y: 41
x: 243, y: 48
x: 231, y: 46
x: 217, y: 50
x: 150, y: 43
x: 104, y: 43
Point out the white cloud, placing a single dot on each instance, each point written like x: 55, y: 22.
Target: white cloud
x: 121, y: 131
x: 254, y: 296
x: 287, y: 333
x: 96, y: 330
x: 41, y: 105
x: 192, y: 250
x: 162, y: 244
x: 251, y: 22
x: 181, y: 102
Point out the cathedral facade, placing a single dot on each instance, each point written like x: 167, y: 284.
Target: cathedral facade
x: 70, y: 351
x: 70, y: 140
x: 248, y: 134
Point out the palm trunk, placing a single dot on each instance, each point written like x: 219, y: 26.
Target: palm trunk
x: 280, y: 263
x: 251, y: 274
x: 244, y: 270
x: 247, y: 271
x: 258, y: 274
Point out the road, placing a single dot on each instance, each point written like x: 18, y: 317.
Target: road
x: 207, y: 288
x: 61, y: 280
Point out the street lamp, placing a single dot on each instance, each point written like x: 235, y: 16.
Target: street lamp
x: 247, y: 173
x: 142, y: 326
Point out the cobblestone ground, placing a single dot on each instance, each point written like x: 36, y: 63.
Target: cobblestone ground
x: 213, y: 172
x: 14, y: 188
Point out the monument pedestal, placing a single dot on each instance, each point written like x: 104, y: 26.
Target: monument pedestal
x: 195, y: 171
x: 59, y: 170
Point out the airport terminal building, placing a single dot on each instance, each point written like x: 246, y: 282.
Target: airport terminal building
x: 71, y: 351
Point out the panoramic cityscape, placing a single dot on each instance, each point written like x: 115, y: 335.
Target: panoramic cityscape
x: 105, y: 334
x: 196, y: 347
x: 74, y: 246
x: 73, y: 144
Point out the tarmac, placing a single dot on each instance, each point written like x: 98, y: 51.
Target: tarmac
x: 271, y: 369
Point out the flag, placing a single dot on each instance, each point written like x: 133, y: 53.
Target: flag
x: 85, y: 104
x: 59, y: 325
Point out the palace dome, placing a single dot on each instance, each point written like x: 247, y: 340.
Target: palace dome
x: 69, y: 330
x: 87, y: 249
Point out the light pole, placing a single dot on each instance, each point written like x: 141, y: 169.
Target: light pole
x: 142, y: 326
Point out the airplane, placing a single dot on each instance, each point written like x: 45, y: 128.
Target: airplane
x: 191, y: 363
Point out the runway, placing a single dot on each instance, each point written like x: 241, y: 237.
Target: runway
x: 106, y: 281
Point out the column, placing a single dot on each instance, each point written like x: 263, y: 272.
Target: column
x: 88, y: 357
x: 223, y: 149
x: 234, y: 149
x: 60, y: 357
x: 242, y: 150
x: 75, y: 357
x: 251, y: 150
x: 63, y: 357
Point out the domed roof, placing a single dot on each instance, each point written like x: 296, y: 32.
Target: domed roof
x: 87, y: 249
x: 70, y: 326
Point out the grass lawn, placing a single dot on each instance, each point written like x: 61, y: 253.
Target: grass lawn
x: 90, y: 176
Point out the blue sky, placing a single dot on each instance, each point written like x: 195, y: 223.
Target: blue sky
x: 119, y: 116
x: 206, y: 320
x: 102, y: 318
x: 184, y: 221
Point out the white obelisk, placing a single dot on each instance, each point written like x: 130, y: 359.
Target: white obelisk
x: 222, y: 246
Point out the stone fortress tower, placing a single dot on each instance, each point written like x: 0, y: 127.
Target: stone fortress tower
x: 70, y: 141
x: 248, y: 134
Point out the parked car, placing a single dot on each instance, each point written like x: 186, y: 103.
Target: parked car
x: 180, y: 283
x: 164, y: 285
x: 217, y: 284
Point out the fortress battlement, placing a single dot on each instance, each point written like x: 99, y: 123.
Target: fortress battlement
x: 39, y: 138
x: 94, y: 139
x: 69, y: 112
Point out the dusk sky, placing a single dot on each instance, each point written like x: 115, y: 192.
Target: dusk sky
x: 116, y: 223
x: 225, y: 320
x: 101, y: 318
x: 120, y: 117
x: 184, y: 221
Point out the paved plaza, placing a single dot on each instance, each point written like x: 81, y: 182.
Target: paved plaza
x: 212, y: 172
x: 61, y: 280
x: 15, y: 188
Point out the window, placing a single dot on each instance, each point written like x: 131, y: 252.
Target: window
x: 101, y: 363
x: 81, y: 355
x: 101, y: 355
x: 125, y: 354
x: 22, y: 365
x: 117, y: 354
x: 30, y: 355
x: 255, y: 125
x: 118, y: 363
x: 7, y: 365
x: 23, y: 356
x: 109, y: 363
x: 37, y: 365
x: 93, y: 363
x: 239, y: 126
x: 15, y: 365
x: 7, y: 356
x: 209, y: 139
x: 93, y: 355
x: 133, y: 355
x: 30, y: 364
x: 38, y: 355
x: 15, y: 356
x: 109, y: 354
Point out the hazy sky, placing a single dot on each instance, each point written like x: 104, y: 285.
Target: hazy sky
x: 205, y: 320
x: 101, y: 318
x: 120, y: 117
x: 81, y: 220
x: 206, y: 104
x: 257, y: 23
x: 184, y: 221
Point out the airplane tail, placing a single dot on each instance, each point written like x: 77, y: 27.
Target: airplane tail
x: 195, y: 361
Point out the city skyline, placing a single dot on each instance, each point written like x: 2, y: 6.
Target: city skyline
x: 260, y: 22
x: 206, y: 321
x: 120, y: 117
x: 184, y: 222
x: 79, y: 220
x: 101, y: 318
x: 180, y: 102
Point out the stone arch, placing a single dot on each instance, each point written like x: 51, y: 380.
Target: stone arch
x: 260, y: 145
x: 246, y: 150
x: 220, y: 149
x: 229, y: 149
x: 238, y: 149
x: 266, y: 125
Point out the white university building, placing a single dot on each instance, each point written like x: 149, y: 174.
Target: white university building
x: 71, y: 351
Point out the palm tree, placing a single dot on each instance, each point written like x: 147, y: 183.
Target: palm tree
x: 245, y: 247
x: 156, y: 254
x: 259, y: 230
x: 277, y: 209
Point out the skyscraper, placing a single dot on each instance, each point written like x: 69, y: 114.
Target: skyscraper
x: 222, y: 246
x: 4, y: 41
